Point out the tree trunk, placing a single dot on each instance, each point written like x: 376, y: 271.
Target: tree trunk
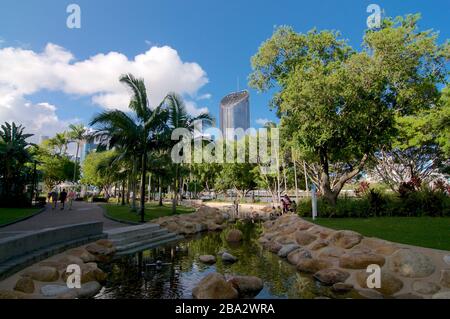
x: 144, y: 172
x: 175, y: 190
x: 150, y: 188
x: 133, y: 183
x: 123, y: 192
x: 160, y: 191
x: 76, y: 162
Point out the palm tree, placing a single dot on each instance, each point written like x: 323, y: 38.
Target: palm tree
x: 180, y: 118
x: 60, y: 142
x: 135, y: 133
x: 14, y: 155
x: 77, y: 134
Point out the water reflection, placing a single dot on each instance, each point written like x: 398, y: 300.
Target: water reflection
x: 137, y: 276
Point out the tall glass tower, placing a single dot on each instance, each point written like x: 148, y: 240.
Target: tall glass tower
x: 235, y: 112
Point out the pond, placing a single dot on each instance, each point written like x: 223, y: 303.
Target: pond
x: 130, y: 277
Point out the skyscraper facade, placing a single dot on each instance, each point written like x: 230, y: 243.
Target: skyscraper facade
x: 235, y: 112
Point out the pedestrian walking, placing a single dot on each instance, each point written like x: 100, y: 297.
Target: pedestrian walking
x: 62, y: 198
x: 54, y: 198
x: 72, y: 196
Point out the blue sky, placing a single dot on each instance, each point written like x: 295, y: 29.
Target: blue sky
x: 219, y: 36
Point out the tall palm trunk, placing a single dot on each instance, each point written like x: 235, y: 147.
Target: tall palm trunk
x: 160, y: 191
x: 144, y: 172
x: 150, y: 188
x: 133, y: 185
x: 175, y: 190
x: 123, y: 192
x: 76, y: 163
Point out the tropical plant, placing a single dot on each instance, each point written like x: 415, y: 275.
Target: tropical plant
x: 136, y: 133
x: 78, y: 134
x: 14, y: 155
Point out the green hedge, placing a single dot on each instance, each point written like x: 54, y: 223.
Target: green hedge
x: 420, y: 203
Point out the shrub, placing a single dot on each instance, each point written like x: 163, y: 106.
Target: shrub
x: 417, y: 203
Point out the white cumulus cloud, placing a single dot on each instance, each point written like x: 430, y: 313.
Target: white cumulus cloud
x: 262, y: 121
x: 24, y: 72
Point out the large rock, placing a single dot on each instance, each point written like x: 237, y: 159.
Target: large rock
x: 408, y: 295
x: 287, y: 249
x: 389, y: 283
x: 341, y: 287
x: 331, y: 252
x: 304, y: 238
x: 445, y: 278
x: 298, y: 254
x: 7, y: 294
x: 312, y: 265
x: 247, y: 286
x: 234, y: 236
x: 425, y: 287
x: 207, y: 259
x: 89, y: 290
x: 360, y: 260
x: 446, y: 259
x: 345, y: 238
x: 42, y: 273
x: 82, y: 253
x: 331, y: 276
x: 101, y: 252
x: 54, y: 290
x: 89, y: 272
x: 410, y: 263
x: 318, y: 244
x: 105, y: 243
x: 214, y: 286
x: 25, y: 285
x: 442, y: 295
x: 228, y: 258
x: 273, y: 247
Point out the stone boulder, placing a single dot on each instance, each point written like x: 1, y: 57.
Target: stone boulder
x: 247, y: 286
x: 89, y: 290
x: 228, y: 258
x: 318, y: 244
x: 425, y: 287
x: 312, y: 265
x: 101, y: 252
x: 410, y: 263
x: 446, y: 259
x: 25, y: 285
x: 298, y: 254
x: 89, y: 272
x: 341, y: 287
x: 360, y: 260
x: 7, y: 294
x: 42, y: 273
x: 105, y: 243
x: 442, y: 295
x: 304, y: 238
x: 234, y: 236
x: 273, y: 247
x: 55, y: 290
x: 81, y: 253
x: 331, y: 252
x: 389, y: 283
x: 207, y: 259
x: 345, y: 238
x: 287, y: 249
x: 331, y: 276
x: 445, y: 278
x: 214, y: 286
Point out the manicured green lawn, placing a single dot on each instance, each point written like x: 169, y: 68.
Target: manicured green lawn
x: 9, y: 215
x: 152, y: 211
x: 432, y: 232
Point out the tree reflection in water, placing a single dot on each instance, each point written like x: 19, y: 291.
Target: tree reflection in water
x: 131, y: 277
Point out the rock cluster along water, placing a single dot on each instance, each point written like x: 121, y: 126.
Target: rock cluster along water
x: 204, y: 219
x: 215, y: 286
x: 48, y: 278
x: 340, y: 259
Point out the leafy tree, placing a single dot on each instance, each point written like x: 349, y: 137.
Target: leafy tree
x: 14, y: 155
x: 338, y: 106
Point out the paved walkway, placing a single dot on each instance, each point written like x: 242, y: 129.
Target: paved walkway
x: 81, y: 212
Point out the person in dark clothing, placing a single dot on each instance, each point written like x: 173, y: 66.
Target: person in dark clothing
x: 62, y: 198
